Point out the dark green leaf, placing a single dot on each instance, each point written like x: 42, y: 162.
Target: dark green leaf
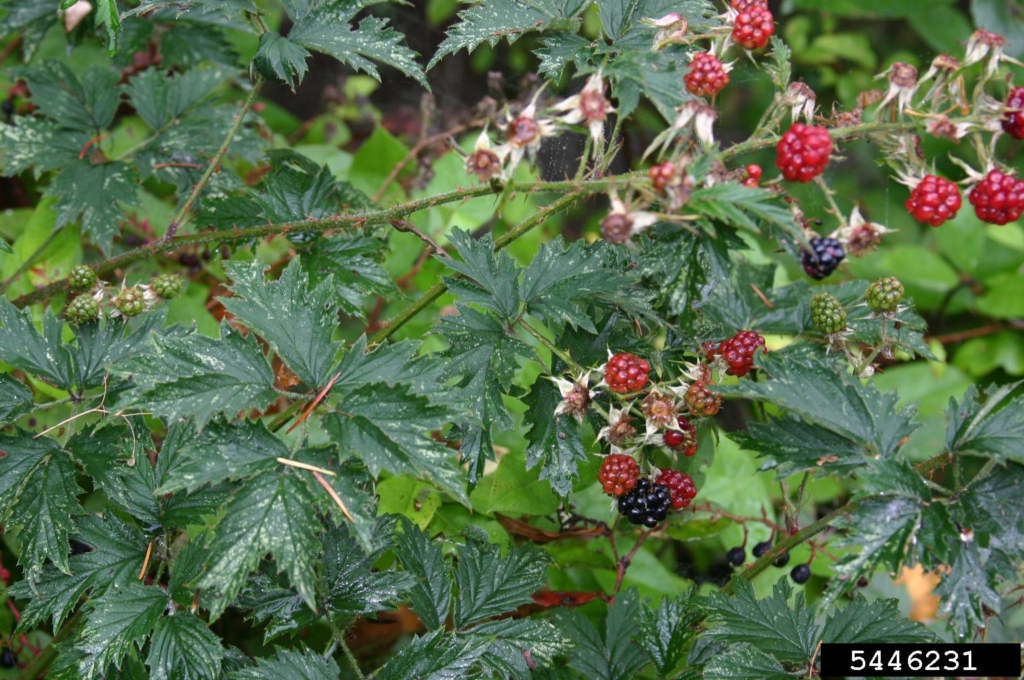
x: 186, y: 566
x: 30, y: 19
x: 326, y: 28
x: 988, y: 423
x: 617, y: 655
x: 490, y: 584
x: 297, y: 189
x: 290, y: 663
x: 435, y: 656
x: 183, y: 648
x: 279, y: 610
x: 160, y: 97
x: 511, y: 640
x: 666, y: 631
x: 556, y: 442
x: 351, y: 584
x: 100, y: 345
x: 15, y: 399
x: 121, y: 618
x: 195, y: 375
x: 878, y: 621
x: 991, y: 509
x: 353, y: 484
x: 115, y: 558
x: 494, y: 21
x: 967, y: 590
x: 495, y: 277
x: 281, y: 60
x: 793, y: 445
x: 618, y: 17
x: 39, y: 495
x: 389, y: 429
x: 115, y: 457
x: 819, y: 394
x: 296, y: 321
x: 560, y: 48
x: 22, y: 346
x: 108, y: 15
x: 353, y: 265
x: 880, y: 529
x: 771, y: 625
x: 92, y: 193
x: 744, y: 662
x: 269, y: 514
x: 424, y: 560
x: 743, y: 207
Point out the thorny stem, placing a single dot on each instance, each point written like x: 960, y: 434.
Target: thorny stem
x: 182, y: 215
x: 623, y: 564
x: 30, y: 260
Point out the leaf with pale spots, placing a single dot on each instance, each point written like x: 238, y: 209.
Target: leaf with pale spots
x: 296, y: 321
x: 555, y: 442
x: 272, y: 513
x: 122, y: 618
x: 193, y: 375
x: 22, y: 346
x: 988, y: 423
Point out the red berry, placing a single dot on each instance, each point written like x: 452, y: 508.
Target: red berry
x: 710, y: 349
x: 618, y: 474
x: 753, y: 27
x: 753, y: 171
x: 998, y: 198
x: 626, y: 373
x: 701, y: 401
x: 934, y: 200
x: 1013, y: 120
x: 684, y: 439
x: 738, y: 351
x: 680, y: 485
x: 803, y: 152
x: 745, y: 5
x: 707, y: 76
x: 662, y: 175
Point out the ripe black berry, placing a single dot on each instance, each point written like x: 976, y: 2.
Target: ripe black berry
x: 782, y: 560
x: 761, y: 548
x: 736, y: 556
x: 800, y: 573
x: 823, y: 257
x: 862, y: 582
x: 7, y: 658
x: 646, y: 504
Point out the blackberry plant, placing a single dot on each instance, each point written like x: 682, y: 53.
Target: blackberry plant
x: 270, y: 379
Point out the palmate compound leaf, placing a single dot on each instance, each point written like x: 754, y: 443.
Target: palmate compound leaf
x: 116, y: 552
x: 38, y: 144
x: 988, y: 423
x: 610, y: 656
x: 389, y: 427
x: 967, y: 590
x: 620, y: 17
x: 297, y: 321
x: 123, y: 617
x: 805, y: 385
x: 990, y: 507
x: 495, y: 20
x: 183, y: 648
x: 435, y: 656
x: 665, y: 631
x: 353, y: 265
x: 194, y: 375
x: 788, y: 633
x: 160, y: 97
x: 271, y: 513
x: 494, y: 276
x: 39, y: 496
x: 40, y: 354
x: 326, y: 27
x: 868, y: 622
x: 87, y: 104
x: 92, y: 194
x: 489, y: 583
x: 510, y: 642
x: 290, y: 663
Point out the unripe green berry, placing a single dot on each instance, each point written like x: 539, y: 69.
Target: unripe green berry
x: 167, y: 286
x: 81, y: 278
x: 884, y: 295
x: 827, y: 314
x: 82, y: 309
x: 130, y: 301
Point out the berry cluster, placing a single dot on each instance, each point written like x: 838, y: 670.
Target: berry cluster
x: 81, y: 278
x: 753, y: 26
x: 803, y: 152
x: 680, y: 486
x: 998, y: 198
x: 642, y: 501
x: 626, y: 373
x: 619, y: 474
x: 934, y: 200
x: 701, y: 401
x: 823, y: 257
x: 707, y: 75
x: 684, y: 439
x: 646, y: 504
x: 884, y: 295
x: 662, y: 175
x: 828, y: 314
x: 752, y: 176
x: 82, y: 310
x: 738, y: 351
x: 1013, y: 119
x: 130, y: 301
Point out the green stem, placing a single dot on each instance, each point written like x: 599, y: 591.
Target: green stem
x: 37, y: 666
x: 182, y: 215
x: 523, y: 227
x: 552, y: 347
